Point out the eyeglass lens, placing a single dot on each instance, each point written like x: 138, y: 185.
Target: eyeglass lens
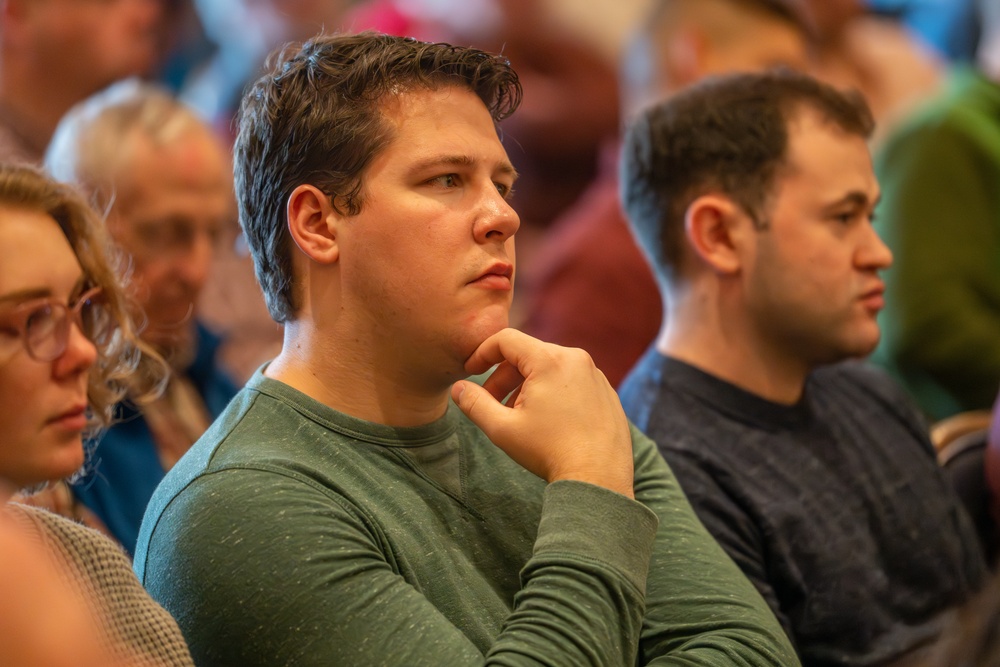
x: 47, y: 327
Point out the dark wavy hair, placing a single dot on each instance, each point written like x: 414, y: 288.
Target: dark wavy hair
x: 316, y: 118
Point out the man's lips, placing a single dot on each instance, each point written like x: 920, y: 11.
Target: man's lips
x: 499, y: 276
x: 874, y: 299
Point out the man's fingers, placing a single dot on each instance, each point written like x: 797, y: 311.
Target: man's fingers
x: 506, y: 345
x: 512, y: 399
x: 503, y: 380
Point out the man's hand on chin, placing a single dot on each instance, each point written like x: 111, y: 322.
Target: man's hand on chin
x: 561, y: 418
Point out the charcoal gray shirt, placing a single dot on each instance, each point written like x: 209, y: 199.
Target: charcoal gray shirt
x: 834, y: 507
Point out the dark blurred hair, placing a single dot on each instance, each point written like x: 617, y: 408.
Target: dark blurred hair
x: 727, y: 134
x: 316, y: 118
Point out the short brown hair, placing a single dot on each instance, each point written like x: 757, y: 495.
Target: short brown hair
x: 316, y: 118
x: 727, y: 134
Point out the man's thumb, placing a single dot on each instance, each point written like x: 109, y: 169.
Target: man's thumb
x: 477, y: 403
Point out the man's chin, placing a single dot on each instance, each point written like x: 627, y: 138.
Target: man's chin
x: 171, y: 340
x: 482, y: 331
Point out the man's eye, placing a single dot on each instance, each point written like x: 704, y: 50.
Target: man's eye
x: 505, y: 190
x: 446, y: 180
x: 166, y: 235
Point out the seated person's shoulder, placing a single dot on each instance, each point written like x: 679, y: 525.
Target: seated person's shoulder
x: 857, y: 373
x: 865, y: 382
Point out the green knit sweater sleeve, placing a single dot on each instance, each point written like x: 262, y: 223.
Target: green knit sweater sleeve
x: 700, y: 608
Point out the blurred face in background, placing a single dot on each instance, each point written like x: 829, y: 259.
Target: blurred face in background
x: 832, y: 16
x: 88, y: 44
x: 714, y: 37
x: 174, y: 203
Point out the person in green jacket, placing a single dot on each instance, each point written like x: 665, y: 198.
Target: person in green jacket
x: 360, y: 502
x: 940, y: 214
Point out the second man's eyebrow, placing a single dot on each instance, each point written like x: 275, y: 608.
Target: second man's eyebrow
x: 854, y: 198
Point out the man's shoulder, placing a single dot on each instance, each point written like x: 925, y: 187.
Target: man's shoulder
x: 862, y: 382
x: 861, y: 392
x: 855, y: 373
x: 676, y: 405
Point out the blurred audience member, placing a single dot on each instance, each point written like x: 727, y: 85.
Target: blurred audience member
x: 67, y: 354
x: 950, y: 26
x: 875, y: 55
x: 940, y: 213
x: 184, y: 46
x: 166, y: 183
x: 754, y: 195
x: 590, y: 286
x: 54, y: 53
x: 244, y: 33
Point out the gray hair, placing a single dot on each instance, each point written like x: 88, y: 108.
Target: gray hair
x: 94, y: 140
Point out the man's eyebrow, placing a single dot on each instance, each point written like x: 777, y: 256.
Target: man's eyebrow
x: 855, y: 198
x: 504, y: 167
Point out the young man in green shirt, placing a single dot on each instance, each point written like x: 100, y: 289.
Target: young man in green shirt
x: 343, y: 510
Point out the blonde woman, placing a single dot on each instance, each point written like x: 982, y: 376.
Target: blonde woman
x: 68, y: 353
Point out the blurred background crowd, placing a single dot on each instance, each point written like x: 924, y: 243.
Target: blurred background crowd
x: 585, y: 67
x: 133, y: 101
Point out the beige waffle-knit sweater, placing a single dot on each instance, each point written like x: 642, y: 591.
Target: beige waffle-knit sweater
x: 135, y: 627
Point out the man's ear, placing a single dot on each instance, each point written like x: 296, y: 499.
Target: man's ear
x: 713, y: 225
x: 312, y: 222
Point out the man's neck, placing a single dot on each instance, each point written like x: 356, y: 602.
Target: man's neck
x: 354, y: 381
x: 720, y: 345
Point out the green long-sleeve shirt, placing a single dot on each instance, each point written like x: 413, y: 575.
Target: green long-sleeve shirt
x: 294, y: 534
x: 940, y: 214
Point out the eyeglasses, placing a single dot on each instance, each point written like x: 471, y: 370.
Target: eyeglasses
x: 44, y: 325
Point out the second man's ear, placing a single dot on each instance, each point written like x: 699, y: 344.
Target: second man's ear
x: 714, y: 226
x: 312, y: 222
